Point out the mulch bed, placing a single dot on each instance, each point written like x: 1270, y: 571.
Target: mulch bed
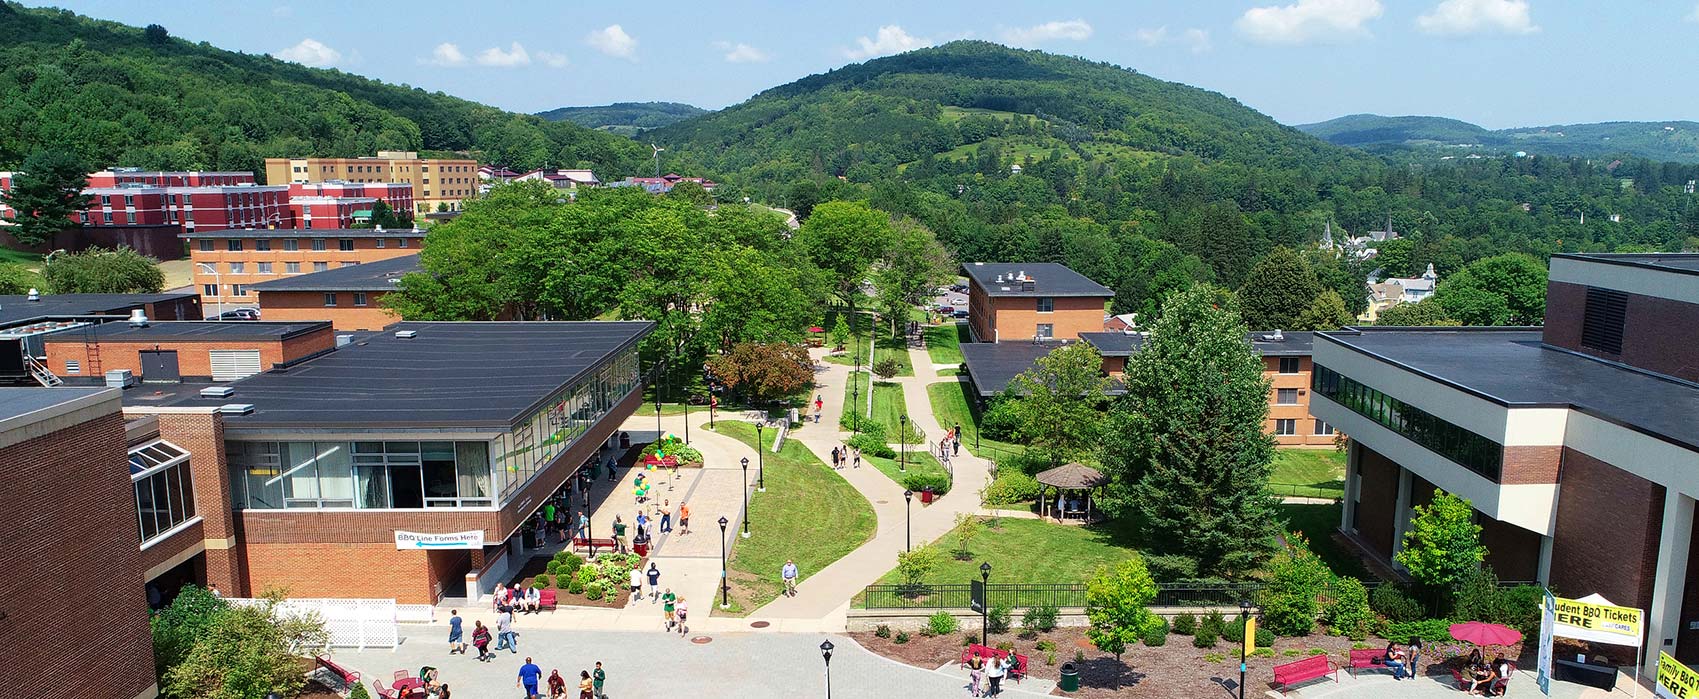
x: 614, y: 599
x: 1173, y: 670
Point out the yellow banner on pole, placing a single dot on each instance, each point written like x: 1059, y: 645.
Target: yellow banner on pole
x: 1675, y: 680
x: 1599, y: 623
x: 1250, y: 636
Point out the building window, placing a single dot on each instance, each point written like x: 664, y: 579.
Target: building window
x: 1286, y: 396
x: 73, y: 366
x: 320, y: 266
x: 329, y: 300
x: 164, y: 488
x: 264, y: 268
x: 233, y: 245
x: 205, y: 244
x: 400, y: 242
x: 1289, y: 365
x: 1046, y: 304
x: 1467, y: 449
x: 209, y: 289
x: 291, y: 268
x: 318, y: 244
x: 238, y: 289
x: 1603, y: 316
x: 378, y: 244
x: 1045, y: 331
x: 291, y: 244
x: 262, y: 245
x: 107, y: 217
x: 345, y: 245
x: 1285, y: 427
x: 362, y: 475
x: 359, y: 298
x: 238, y: 268
x: 1322, y: 428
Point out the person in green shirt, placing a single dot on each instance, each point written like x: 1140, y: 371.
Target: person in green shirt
x: 596, y: 679
x: 619, y: 534
x: 668, y: 602
x: 549, y: 516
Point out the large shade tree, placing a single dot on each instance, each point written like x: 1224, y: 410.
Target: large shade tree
x: 1280, y: 288
x: 1057, y: 404
x: 45, y: 196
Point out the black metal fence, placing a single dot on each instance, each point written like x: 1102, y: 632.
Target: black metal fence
x: 1019, y: 595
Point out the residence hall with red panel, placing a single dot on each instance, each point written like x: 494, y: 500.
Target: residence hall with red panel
x: 397, y: 195
x: 317, y: 474
x: 1577, y: 444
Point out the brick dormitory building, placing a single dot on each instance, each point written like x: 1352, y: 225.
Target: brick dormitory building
x: 228, y: 264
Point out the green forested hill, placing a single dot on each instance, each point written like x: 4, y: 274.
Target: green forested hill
x: 121, y: 95
x: 625, y: 118
x: 1676, y: 141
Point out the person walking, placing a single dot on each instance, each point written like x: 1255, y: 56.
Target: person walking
x: 679, y: 612
x: 619, y: 534
x: 636, y: 584
x: 504, y: 632
x: 994, y: 673
x: 788, y: 573
x: 586, y: 686
x: 583, y: 525
x: 858, y: 457
x: 683, y: 518
x: 669, y: 605
x: 666, y: 516
x: 597, y: 678
x: 975, y: 675
x: 455, y: 644
x: 956, y: 443
x: 654, y: 575
x: 557, y: 685
x: 481, y: 639
x: 529, y: 676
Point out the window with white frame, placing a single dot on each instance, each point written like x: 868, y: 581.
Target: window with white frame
x: 1286, y: 396
x: 164, y: 488
x: 1285, y: 427
x: 291, y: 268
x: 1322, y: 428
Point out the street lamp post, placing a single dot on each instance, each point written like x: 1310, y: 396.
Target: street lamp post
x: 908, y: 521
x: 745, y: 490
x: 855, y: 382
x: 985, y: 601
x: 725, y: 586
x: 760, y: 462
x: 1244, y: 617
x: 826, y: 652
x: 217, y: 281
x: 902, y: 434
x: 658, y: 431
x: 588, y: 534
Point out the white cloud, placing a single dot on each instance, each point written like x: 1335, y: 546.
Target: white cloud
x: 1194, y: 39
x: 889, y: 39
x: 552, y: 60
x: 311, y: 53
x: 1068, y: 30
x: 1457, y: 17
x: 513, y: 57
x: 445, y: 54
x: 742, y: 53
x: 613, y: 41
x: 1306, y: 21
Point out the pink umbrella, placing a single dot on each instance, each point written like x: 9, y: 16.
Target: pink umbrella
x: 1481, y: 633
x: 816, y: 329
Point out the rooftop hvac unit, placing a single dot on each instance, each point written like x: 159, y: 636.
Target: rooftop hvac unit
x: 120, y: 378
x: 217, y: 392
x: 342, y: 340
x: 138, y: 319
x: 236, y: 408
x: 406, y: 334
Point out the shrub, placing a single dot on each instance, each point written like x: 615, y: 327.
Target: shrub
x: 969, y: 639
x: 1521, y: 607
x: 1000, y: 419
x: 1005, y: 645
x: 571, y: 563
x: 1265, y: 638
x: 593, y: 591
x: 1263, y: 652
x: 1392, y: 602
x: 1348, y: 614
x: 1426, y: 629
x: 1171, y: 567
x: 882, y: 631
x: 1012, y: 486
x: 902, y: 637
x: 942, y: 623
x: 1296, y: 577
x: 1039, y: 618
x: 553, y: 568
x: 997, y: 620
x: 872, y: 446
x: 1045, y: 645
x: 1213, y: 623
x: 1233, y: 631
x: 1290, y: 652
x: 541, y: 582
x: 1156, y: 636
x: 938, y: 482
x: 1204, y: 638
x: 575, y: 586
x: 1316, y: 651
x: 1050, y: 658
x: 1185, y: 624
x: 1214, y: 657
x: 917, y: 565
x: 358, y: 691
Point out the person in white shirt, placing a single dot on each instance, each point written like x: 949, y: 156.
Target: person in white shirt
x: 636, y: 584
x: 533, y: 599
x: 994, y: 672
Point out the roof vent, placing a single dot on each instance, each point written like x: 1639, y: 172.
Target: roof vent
x: 217, y: 392
x: 138, y: 318
x: 406, y: 334
x: 1277, y: 336
x: 999, y: 279
x: 236, y: 408
x: 34, y: 295
x: 342, y: 340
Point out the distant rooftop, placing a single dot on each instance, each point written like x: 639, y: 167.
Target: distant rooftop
x: 1291, y: 344
x: 465, y: 375
x: 20, y: 403
x: 195, y: 330
x: 1050, y: 279
x: 1687, y: 263
x: 371, y: 276
x: 306, y: 233
x: 19, y: 309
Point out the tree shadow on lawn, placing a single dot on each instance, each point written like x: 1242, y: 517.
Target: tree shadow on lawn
x: 1105, y: 672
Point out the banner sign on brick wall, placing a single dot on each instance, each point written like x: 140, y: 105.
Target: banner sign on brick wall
x: 454, y: 540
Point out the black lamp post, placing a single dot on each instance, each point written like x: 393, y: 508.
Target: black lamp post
x: 745, y: 490
x: 658, y: 430
x: 1244, y: 618
x: 855, y: 382
x: 826, y: 652
x: 725, y: 586
x: 760, y: 463
x: 908, y: 521
x: 985, y: 603
x: 902, y: 434
x: 588, y: 535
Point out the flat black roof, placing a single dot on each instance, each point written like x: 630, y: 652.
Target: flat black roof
x: 1512, y: 367
x: 16, y: 309
x: 1290, y: 344
x: 1113, y: 344
x: 370, y: 276
x: 471, y: 375
x: 1052, y: 279
x: 275, y: 233
x: 992, y: 365
x: 17, y: 402
x: 204, y: 330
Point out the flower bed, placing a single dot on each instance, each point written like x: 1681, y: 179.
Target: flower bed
x: 670, y: 445
x: 603, y: 582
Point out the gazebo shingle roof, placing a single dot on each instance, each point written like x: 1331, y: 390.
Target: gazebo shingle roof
x: 1072, y: 477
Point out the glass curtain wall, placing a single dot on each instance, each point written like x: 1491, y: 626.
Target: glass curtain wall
x: 360, y: 475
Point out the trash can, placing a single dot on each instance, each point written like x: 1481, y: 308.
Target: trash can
x: 1070, y: 678
x: 926, y: 495
x: 642, y: 549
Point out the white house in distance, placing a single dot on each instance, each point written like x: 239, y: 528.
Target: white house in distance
x: 1396, y: 290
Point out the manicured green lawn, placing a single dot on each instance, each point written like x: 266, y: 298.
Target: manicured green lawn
x: 809, y: 514
x: 1027, y: 551
x: 943, y: 342
x: 1318, y: 523
x: 1309, y: 472
x: 888, y: 408
x: 27, y: 259
x: 919, y: 462
x: 950, y: 403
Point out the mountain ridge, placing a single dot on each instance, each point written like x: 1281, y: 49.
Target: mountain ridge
x: 1674, y: 140
x: 624, y: 118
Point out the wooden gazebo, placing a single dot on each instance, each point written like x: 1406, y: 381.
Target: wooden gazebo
x: 1066, y: 479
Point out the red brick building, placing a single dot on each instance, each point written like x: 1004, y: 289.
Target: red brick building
x: 398, y: 195
x: 67, y: 507
x: 117, y: 177
x: 171, y: 352
x: 351, y: 298
x: 330, y: 213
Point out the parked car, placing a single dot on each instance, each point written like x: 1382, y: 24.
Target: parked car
x: 960, y: 313
x: 946, y: 309
x: 239, y: 314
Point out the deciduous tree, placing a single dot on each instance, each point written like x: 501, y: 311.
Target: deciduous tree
x: 103, y: 271
x: 844, y: 239
x: 764, y: 372
x: 1117, y: 605
x: 245, y: 651
x: 1443, y: 545
x: 1327, y: 312
x: 1057, y: 405
x: 1519, y: 281
x: 1279, y: 289
x: 1422, y: 313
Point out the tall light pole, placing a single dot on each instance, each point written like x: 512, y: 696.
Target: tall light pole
x: 760, y: 462
x: 855, y: 380
x: 217, y: 282
x: 1244, y: 617
x: 908, y: 521
x: 902, y: 434
x: 985, y: 603
x: 725, y: 585
x: 826, y: 652
x: 745, y: 490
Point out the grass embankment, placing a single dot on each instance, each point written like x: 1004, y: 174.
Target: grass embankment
x: 1318, y: 523
x: 888, y: 408
x: 885, y: 346
x: 919, y: 463
x: 1316, y: 473
x: 809, y: 514
x: 951, y: 405
x: 1027, y: 551
x: 944, y: 342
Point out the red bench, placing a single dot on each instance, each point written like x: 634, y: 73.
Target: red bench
x: 600, y: 544
x: 987, y: 652
x: 1365, y: 658
x: 547, y: 599
x: 349, y: 677
x: 1313, y: 667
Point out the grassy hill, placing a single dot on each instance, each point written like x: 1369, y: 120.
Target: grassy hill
x: 120, y: 95
x: 625, y: 118
x: 1675, y: 141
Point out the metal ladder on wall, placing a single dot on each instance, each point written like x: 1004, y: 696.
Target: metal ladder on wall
x: 91, y: 352
x: 42, y: 374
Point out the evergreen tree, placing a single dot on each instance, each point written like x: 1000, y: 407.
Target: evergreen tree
x: 1185, y: 448
x: 45, y: 196
x: 1327, y: 312
x: 1280, y: 288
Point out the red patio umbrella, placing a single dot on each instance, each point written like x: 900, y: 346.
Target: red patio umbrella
x: 1484, y: 634
x: 816, y: 329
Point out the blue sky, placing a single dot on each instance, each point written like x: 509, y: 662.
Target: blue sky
x: 1497, y: 63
